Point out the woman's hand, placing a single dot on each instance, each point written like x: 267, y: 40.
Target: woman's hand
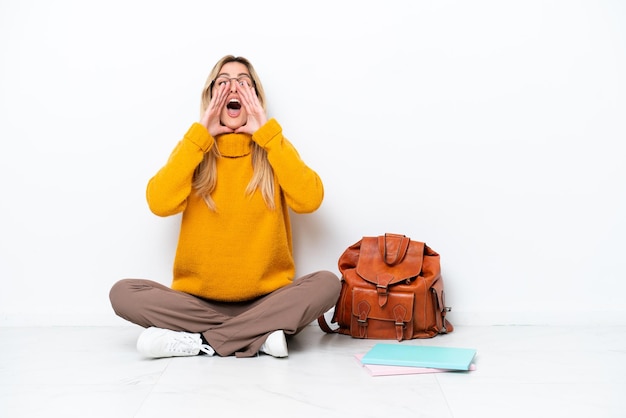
x: 256, y: 113
x: 211, y: 117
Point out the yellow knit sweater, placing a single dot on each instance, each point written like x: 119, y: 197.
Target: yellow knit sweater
x: 243, y: 250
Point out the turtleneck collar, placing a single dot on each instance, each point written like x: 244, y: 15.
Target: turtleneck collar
x: 234, y: 145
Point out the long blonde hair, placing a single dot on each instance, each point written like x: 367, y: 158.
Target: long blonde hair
x: 205, y: 176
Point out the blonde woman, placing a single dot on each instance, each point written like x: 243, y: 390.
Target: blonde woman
x: 234, y: 177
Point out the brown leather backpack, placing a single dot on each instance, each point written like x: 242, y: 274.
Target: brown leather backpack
x: 391, y: 289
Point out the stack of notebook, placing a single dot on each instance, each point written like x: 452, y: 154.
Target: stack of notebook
x: 390, y: 359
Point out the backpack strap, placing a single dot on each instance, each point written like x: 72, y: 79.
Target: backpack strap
x: 321, y: 320
x: 399, y: 313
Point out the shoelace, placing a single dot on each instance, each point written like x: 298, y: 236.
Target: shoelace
x: 205, y: 348
x: 186, y: 343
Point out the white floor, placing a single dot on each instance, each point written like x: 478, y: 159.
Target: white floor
x: 521, y: 372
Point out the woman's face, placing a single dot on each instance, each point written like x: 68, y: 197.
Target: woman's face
x: 234, y: 75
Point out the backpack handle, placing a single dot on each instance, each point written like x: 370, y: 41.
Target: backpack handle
x: 388, y: 257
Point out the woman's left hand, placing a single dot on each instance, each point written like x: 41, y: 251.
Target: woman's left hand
x: 254, y: 109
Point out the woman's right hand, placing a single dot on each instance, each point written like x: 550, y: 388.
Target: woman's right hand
x: 211, y: 117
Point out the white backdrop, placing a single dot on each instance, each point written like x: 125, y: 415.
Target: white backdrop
x: 491, y: 130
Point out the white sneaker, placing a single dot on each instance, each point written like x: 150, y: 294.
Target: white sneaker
x: 275, y: 345
x: 157, y: 342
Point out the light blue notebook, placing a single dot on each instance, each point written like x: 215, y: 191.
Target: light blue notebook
x: 420, y: 356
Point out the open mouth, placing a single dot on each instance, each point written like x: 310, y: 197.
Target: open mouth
x: 233, y: 105
x: 233, y: 108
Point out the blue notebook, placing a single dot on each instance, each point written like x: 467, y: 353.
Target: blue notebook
x: 452, y: 358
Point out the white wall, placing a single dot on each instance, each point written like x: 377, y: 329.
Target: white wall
x: 490, y: 130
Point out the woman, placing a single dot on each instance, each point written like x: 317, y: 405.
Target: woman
x: 234, y: 177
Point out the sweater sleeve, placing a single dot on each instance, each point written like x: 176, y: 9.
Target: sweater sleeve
x: 168, y: 190
x: 302, y: 187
